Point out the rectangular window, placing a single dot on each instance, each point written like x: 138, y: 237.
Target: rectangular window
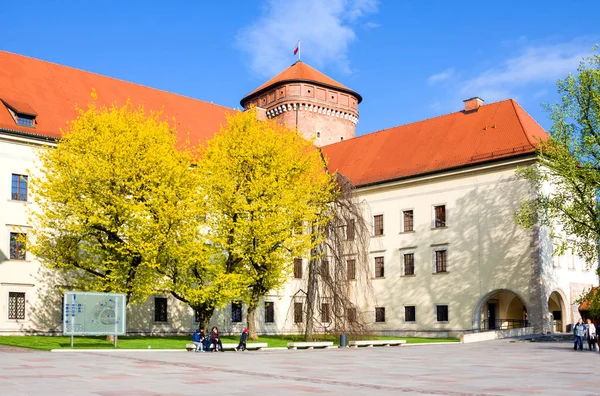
x: 350, y: 230
x: 379, y: 314
x: 408, y: 220
x: 17, y: 246
x: 351, y: 269
x: 440, y: 216
x: 441, y: 259
x: 325, y: 313
x: 298, y: 268
x: 19, y: 187
x: 160, y: 309
x: 379, y: 272
x: 410, y: 314
x: 325, y: 269
x: 409, y: 264
x: 298, y: 312
x: 16, y: 305
x: 378, y: 225
x: 236, y: 312
x: 269, y: 312
x: 351, y: 314
x: 442, y: 313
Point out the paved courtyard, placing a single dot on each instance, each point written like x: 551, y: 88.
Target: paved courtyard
x: 491, y: 368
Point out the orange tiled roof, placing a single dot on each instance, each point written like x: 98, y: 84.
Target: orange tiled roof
x: 52, y: 91
x: 585, y: 305
x: 300, y: 71
x: 494, y: 131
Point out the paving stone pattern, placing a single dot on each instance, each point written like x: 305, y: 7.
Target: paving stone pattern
x: 490, y: 368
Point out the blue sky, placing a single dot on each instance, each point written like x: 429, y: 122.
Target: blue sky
x: 410, y: 60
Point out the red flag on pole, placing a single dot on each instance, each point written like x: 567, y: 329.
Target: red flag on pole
x: 297, y: 50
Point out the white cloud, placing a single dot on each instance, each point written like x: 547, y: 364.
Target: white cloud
x: 532, y: 66
x: 439, y: 77
x: 528, y: 74
x: 325, y: 28
x: 372, y: 25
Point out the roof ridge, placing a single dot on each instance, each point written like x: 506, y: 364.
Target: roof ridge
x: 417, y: 122
x: 514, y: 105
x: 117, y: 79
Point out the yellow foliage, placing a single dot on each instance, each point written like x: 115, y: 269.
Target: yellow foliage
x: 259, y: 181
x: 120, y: 209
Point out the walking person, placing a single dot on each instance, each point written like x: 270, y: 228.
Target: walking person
x: 242, y: 345
x: 590, y: 335
x: 215, y: 339
x: 579, y: 333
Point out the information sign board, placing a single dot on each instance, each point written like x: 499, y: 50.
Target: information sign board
x: 88, y: 313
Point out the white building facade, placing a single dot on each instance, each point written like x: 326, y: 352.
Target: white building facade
x: 445, y: 254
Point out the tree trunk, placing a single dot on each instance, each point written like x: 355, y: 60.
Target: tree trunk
x: 252, y: 305
x: 204, y: 315
x: 311, y: 297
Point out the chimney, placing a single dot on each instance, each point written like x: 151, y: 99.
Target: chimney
x: 472, y: 104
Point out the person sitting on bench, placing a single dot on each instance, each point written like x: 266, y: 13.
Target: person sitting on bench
x: 215, y: 340
x: 198, y: 340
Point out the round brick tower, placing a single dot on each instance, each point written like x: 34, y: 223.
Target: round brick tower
x: 305, y: 99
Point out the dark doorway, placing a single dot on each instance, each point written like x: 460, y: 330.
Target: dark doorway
x: 491, y: 315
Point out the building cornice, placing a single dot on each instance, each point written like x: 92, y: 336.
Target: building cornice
x: 448, y: 172
x: 299, y: 80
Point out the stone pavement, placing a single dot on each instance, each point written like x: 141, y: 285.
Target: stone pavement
x: 487, y: 368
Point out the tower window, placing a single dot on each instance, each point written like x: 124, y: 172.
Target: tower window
x: 318, y: 135
x: 342, y: 139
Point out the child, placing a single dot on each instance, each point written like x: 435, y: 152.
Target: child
x: 242, y: 345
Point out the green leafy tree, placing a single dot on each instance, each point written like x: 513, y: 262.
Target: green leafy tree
x: 265, y: 189
x: 567, y: 176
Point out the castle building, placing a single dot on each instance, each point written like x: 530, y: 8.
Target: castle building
x: 445, y: 256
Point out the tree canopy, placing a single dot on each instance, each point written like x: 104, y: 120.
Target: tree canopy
x: 567, y: 177
x: 118, y: 202
x: 266, y: 190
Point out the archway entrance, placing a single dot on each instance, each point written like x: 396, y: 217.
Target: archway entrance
x: 500, y: 310
x: 557, y: 311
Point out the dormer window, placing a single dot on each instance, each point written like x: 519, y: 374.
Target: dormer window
x: 21, y: 112
x: 23, y: 120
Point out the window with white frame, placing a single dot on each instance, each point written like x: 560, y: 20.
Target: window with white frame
x: 17, y: 246
x: 441, y: 312
x: 16, y: 306
x: 440, y: 259
x: 408, y: 221
x: 408, y: 263
x: 439, y: 216
x: 236, y: 312
x: 380, y: 314
x: 378, y: 225
x: 19, y: 187
x: 410, y: 313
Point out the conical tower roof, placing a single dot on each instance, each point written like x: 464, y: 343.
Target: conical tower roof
x: 300, y: 71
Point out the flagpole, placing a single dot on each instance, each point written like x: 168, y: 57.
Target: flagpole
x: 298, y: 50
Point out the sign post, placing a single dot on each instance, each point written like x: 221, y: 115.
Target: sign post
x: 94, y: 314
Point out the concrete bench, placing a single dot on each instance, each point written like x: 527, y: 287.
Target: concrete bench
x: 231, y: 347
x: 372, y: 343
x: 310, y: 345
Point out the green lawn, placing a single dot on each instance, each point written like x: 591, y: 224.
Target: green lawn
x: 47, y: 343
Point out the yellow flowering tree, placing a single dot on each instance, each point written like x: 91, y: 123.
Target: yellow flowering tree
x: 119, y: 205
x: 266, y: 190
